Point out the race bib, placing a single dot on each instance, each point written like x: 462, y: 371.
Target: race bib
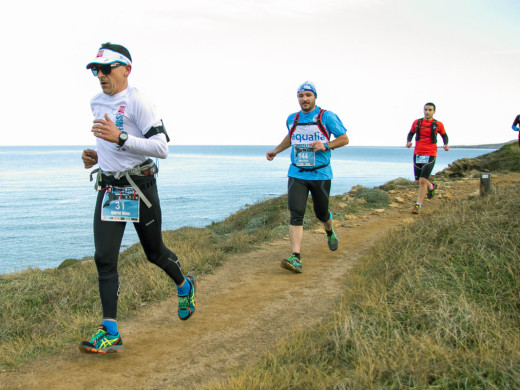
x: 120, y: 204
x: 422, y: 159
x: 304, y: 155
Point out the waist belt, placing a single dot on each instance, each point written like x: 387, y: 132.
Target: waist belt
x: 302, y: 169
x: 148, y: 168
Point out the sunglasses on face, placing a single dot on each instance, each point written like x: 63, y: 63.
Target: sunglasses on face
x: 105, y: 69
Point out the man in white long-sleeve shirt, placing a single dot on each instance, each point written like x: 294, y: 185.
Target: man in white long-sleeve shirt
x: 128, y: 132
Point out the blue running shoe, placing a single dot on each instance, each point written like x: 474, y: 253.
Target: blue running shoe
x: 292, y: 263
x: 332, y: 241
x: 102, y: 342
x: 188, y: 303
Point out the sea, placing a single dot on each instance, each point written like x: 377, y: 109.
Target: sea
x: 47, y: 199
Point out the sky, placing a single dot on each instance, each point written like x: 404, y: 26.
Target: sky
x: 226, y: 72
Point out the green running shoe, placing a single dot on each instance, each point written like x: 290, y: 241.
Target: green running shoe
x: 332, y: 241
x: 292, y: 263
x: 416, y: 209
x: 431, y: 193
x: 102, y: 342
x: 188, y: 303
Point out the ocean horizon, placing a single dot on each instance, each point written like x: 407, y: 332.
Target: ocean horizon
x: 47, y: 199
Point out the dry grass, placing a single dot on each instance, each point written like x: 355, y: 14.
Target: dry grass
x: 435, y: 304
x: 44, y: 311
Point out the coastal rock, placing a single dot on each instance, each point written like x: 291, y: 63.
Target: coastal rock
x: 399, y: 199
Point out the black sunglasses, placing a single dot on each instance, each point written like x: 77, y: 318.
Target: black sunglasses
x: 105, y: 69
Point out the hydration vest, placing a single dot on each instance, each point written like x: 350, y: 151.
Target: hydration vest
x: 322, y: 129
x: 433, y: 134
x: 318, y: 122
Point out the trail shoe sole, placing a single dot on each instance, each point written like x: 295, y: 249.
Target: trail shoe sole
x: 102, y: 342
x: 292, y: 264
x: 431, y: 193
x: 332, y: 241
x: 188, y: 303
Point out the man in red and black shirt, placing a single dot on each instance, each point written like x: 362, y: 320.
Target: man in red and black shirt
x: 425, y: 152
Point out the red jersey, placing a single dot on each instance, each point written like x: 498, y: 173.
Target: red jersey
x: 425, y: 146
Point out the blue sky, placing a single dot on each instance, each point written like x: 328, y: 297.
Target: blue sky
x: 226, y: 72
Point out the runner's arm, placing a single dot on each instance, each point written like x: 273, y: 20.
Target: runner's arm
x: 445, y: 141
x: 338, y: 142
x: 286, y: 143
x: 155, y: 146
x: 515, y: 123
x: 409, y: 139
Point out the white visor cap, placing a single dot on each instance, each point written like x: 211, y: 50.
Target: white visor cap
x: 107, y: 56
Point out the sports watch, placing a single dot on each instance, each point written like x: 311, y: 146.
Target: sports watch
x: 326, y: 146
x: 123, y: 136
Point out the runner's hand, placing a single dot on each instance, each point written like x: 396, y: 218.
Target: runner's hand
x: 106, y: 129
x: 318, y: 145
x: 89, y: 158
x: 270, y: 155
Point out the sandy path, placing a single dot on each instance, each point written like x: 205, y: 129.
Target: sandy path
x: 244, y: 307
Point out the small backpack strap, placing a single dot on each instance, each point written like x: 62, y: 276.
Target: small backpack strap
x: 418, y: 129
x: 295, y: 123
x: 321, y: 126
x: 434, y: 131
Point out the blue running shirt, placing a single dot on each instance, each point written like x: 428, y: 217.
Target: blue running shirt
x: 333, y: 125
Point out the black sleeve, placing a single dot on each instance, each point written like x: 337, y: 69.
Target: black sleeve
x: 156, y: 130
x: 410, y: 136
x: 445, y: 138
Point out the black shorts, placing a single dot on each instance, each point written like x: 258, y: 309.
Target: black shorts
x: 298, y: 192
x: 423, y: 170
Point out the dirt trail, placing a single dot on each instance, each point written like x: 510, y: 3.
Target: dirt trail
x: 244, y: 307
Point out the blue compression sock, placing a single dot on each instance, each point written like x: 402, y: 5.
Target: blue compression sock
x: 185, y: 289
x: 111, y: 326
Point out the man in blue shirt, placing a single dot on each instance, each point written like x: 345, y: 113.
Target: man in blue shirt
x: 309, y: 133
x: 515, y: 127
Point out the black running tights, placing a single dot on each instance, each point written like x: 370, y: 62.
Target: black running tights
x: 107, y: 240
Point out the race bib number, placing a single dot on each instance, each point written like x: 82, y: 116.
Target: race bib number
x: 304, y: 155
x: 422, y: 159
x: 120, y: 204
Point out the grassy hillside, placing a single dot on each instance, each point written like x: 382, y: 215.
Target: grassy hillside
x: 505, y: 159
x: 435, y: 304
x: 59, y: 307
x: 42, y: 312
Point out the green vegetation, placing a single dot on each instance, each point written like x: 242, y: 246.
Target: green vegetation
x: 43, y: 311
x: 435, y: 304
x: 506, y: 159
x: 372, y: 197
